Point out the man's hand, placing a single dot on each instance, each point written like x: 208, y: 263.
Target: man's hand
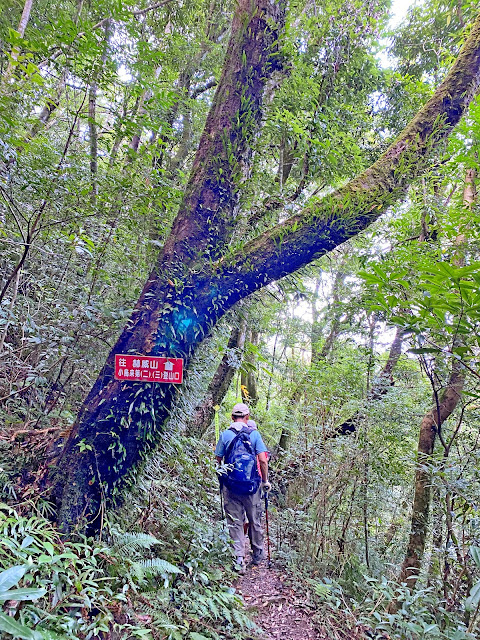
x: 266, y: 487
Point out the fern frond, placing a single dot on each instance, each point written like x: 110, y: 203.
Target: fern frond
x: 130, y: 544
x: 158, y: 566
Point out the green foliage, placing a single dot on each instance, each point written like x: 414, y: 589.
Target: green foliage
x: 70, y: 595
x: 9, y: 578
x: 172, y: 583
x: 91, y: 238
x: 420, y: 616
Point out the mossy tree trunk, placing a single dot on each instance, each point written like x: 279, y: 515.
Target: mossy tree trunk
x: 119, y: 422
x: 200, y: 276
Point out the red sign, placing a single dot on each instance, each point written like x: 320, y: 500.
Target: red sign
x: 148, y: 369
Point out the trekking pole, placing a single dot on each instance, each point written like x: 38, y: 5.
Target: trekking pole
x: 268, y: 533
x: 221, y: 507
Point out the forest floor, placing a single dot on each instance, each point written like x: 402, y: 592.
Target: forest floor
x: 277, y: 607
x: 284, y: 611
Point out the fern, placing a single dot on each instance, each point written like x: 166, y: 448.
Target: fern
x: 158, y: 566
x: 129, y: 544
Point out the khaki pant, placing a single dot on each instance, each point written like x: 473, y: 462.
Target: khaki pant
x: 236, y: 507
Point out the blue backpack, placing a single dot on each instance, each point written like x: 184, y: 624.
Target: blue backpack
x: 243, y: 478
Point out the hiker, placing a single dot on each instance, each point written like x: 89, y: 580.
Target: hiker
x: 242, y: 489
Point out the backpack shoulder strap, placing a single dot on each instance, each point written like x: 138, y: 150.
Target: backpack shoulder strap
x: 229, y: 446
x: 243, y: 434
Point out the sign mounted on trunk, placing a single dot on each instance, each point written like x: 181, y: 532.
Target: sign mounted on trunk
x: 148, y: 369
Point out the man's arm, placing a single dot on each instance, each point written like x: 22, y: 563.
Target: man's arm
x: 262, y: 459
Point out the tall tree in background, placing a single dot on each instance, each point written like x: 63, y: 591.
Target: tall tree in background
x: 220, y: 382
x: 445, y: 404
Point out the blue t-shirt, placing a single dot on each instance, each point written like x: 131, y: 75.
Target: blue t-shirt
x: 227, y: 436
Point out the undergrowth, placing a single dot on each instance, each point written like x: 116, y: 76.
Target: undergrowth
x: 159, y: 572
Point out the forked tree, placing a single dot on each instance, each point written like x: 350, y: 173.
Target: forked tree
x: 201, y: 273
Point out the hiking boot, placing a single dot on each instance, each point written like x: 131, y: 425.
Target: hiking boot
x: 258, y: 557
x: 239, y: 565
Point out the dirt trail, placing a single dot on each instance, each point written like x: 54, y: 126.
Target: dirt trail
x: 278, y: 609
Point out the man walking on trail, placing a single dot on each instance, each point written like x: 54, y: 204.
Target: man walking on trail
x: 241, y: 487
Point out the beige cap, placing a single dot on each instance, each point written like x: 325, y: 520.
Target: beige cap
x: 240, y: 410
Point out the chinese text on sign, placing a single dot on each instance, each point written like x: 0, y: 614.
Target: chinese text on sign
x: 148, y: 369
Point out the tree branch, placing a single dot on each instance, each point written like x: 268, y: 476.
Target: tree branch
x: 326, y: 223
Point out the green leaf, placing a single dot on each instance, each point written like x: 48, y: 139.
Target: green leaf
x: 10, y: 577
x: 430, y: 627
x: 22, y: 594
x: 475, y: 553
x: 197, y: 636
x: 447, y: 269
x: 27, y: 542
x: 46, y: 634
x: 158, y: 565
x: 474, y: 599
x: 11, y: 626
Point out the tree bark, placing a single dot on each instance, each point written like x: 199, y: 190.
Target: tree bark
x: 248, y: 383
x: 22, y: 25
x: 92, y: 128
x: 53, y: 101
x: 219, y: 385
x: 120, y: 421
x: 199, y: 277
x: 379, y: 388
x: 429, y: 428
x: 142, y: 110
x: 319, y: 354
x: 92, y: 118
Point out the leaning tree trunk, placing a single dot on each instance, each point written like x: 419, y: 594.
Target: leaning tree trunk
x: 379, y: 388
x: 15, y: 52
x: 317, y: 354
x: 120, y: 421
x: 219, y: 385
x: 200, y: 275
x: 92, y: 118
x: 429, y: 427
x: 320, y: 354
